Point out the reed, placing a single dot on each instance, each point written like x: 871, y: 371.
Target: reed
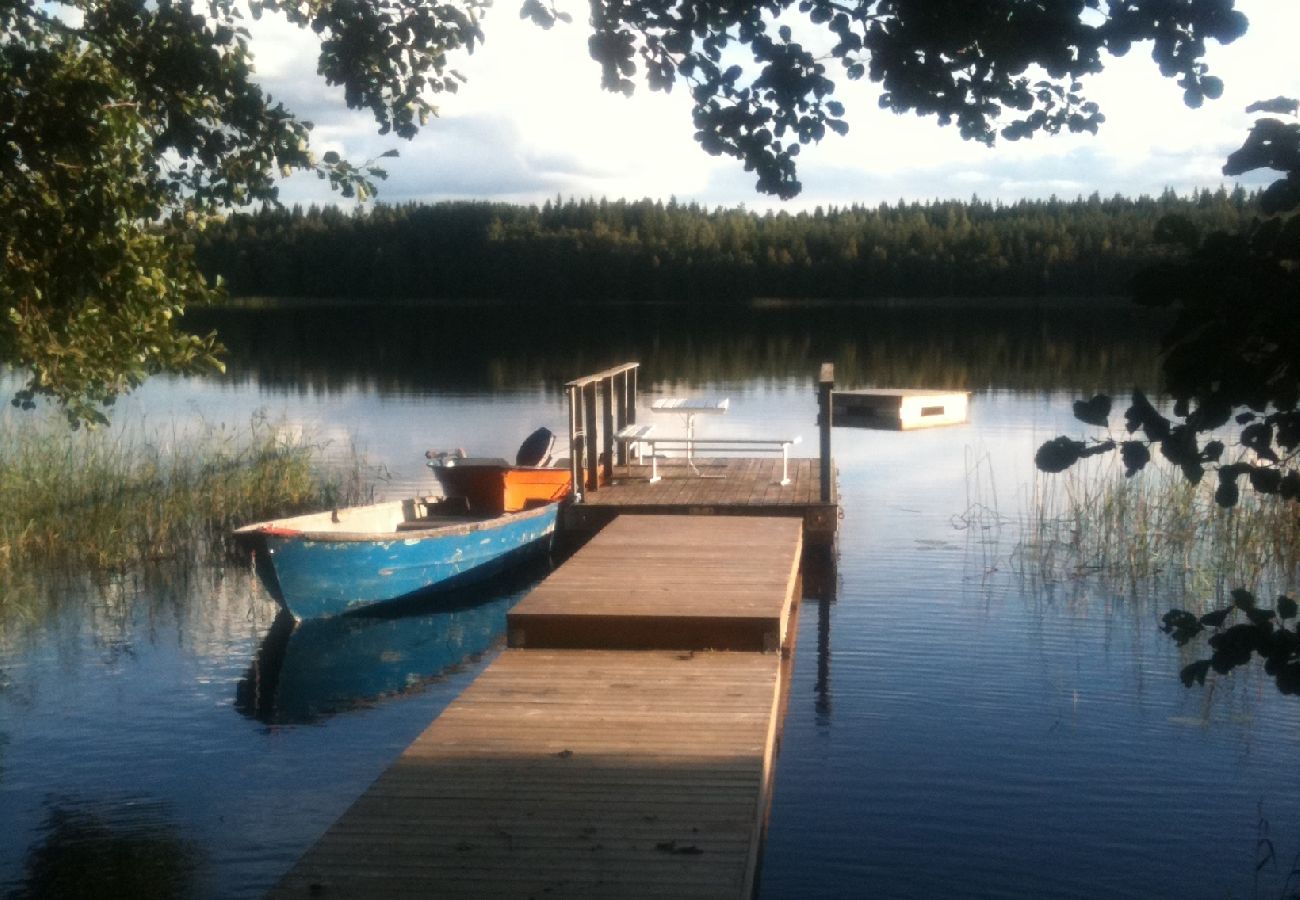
x: 1156, y: 531
x: 105, y: 499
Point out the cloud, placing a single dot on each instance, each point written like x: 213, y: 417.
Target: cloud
x: 532, y: 122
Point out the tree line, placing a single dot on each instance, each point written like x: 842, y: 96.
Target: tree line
x: 603, y: 250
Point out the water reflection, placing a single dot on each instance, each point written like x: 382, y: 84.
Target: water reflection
x: 326, y: 666
x: 952, y: 710
x: 128, y: 849
x: 403, y: 349
x: 822, y: 687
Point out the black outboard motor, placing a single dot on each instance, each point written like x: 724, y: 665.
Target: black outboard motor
x: 536, y: 449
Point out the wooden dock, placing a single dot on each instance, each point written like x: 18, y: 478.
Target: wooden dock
x: 604, y: 406
x: 596, y: 772
x: 654, y: 582
x: 726, y: 486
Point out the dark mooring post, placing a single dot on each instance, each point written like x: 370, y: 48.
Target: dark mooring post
x: 824, y: 386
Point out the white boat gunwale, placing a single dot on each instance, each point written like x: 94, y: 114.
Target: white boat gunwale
x: 453, y: 525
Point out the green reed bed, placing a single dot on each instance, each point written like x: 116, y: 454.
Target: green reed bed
x: 123, y: 495
x: 1156, y: 530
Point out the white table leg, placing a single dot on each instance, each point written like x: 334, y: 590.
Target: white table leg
x: 690, y: 442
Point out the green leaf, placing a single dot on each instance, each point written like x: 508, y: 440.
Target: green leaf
x: 1058, y: 454
x: 1227, y: 494
x: 1285, y: 106
x: 1135, y: 456
x: 1243, y: 599
x: 1216, y: 618
x: 1195, y: 673
x: 1095, y: 411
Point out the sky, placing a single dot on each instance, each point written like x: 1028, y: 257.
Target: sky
x: 532, y: 123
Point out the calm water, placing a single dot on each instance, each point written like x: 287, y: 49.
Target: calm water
x: 951, y: 732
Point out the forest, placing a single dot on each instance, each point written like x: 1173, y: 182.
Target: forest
x: 639, y: 251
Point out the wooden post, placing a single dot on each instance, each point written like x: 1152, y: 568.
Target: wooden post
x: 620, y: 413
x: 824, y: 386
x: 575, y: 440
x: 607, y: 424
x: 629, y: 398
x: 589, y: 423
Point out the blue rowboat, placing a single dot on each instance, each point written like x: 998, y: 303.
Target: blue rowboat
x: 326, y: 564
x: 489, y: 516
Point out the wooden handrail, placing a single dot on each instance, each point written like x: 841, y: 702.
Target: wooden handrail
x: 599, y: 406
x: 608, y: 373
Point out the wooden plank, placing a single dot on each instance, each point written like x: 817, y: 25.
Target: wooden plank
x: 591, y: 449
x: 653, y: 582
x: 570, y: 773
x: 590, y: 772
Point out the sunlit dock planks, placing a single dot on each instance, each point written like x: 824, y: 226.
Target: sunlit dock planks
x: 725, y: 486
x: 660, y: 582
x: 569, y: 774
x: 595, y: 772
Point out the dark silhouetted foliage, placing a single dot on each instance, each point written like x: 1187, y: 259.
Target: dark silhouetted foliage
x: 1231, y: 363
x: 124, y: 123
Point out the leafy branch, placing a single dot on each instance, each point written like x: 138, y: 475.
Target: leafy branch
x: 1231, y: 360
x: 1264, y: 633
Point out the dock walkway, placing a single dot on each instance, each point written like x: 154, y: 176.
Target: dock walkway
x: 588, y: 771
x: 656, y: 583
x: 731, y: 486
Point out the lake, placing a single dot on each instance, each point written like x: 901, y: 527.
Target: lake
x: 956, y: 727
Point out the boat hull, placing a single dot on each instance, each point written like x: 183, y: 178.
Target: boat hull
x: 319, y: 574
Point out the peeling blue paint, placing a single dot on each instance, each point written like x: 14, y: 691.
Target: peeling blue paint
x: 320, y: 578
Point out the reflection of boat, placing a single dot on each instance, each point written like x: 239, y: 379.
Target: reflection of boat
x: 307, y: 670
x: 490, y: 515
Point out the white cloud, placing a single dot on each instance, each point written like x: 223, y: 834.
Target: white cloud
x: 532, y: 122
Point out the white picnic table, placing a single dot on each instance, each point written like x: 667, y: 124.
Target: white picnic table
x: 641, y: 436
x: 689, y: 408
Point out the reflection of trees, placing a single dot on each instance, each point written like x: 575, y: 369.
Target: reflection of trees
x: 409, y: 348
x: 104, y: 856
x: 204, y: 607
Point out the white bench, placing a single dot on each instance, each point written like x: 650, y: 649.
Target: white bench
x: 633, y: 435
x: 719, y: 445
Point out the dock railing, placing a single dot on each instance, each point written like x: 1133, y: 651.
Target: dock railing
x: 603, y: 404
x: 600, y: 405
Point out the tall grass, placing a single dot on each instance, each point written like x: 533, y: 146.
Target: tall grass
x: 1156, y: 530
x: 115, y: 497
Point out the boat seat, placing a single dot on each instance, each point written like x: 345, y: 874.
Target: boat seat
x: 439, y: 521
x: 634, y: 436
x: 445, y: 506
x: 536, y: 448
